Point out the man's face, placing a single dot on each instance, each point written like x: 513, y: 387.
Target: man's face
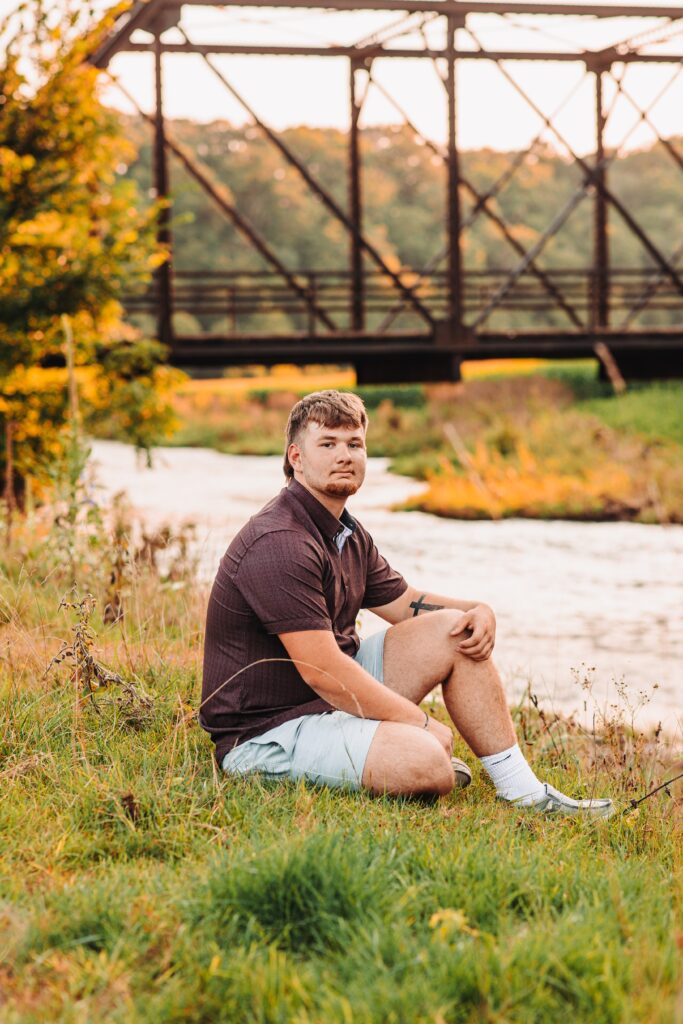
x: 330, y: 460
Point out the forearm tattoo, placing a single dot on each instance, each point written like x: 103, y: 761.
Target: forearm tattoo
x: 420, y: 606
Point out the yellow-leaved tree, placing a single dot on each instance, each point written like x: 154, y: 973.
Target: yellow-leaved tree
x: 74, y: 235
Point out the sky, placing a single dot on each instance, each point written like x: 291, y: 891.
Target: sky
x: 313, y: 91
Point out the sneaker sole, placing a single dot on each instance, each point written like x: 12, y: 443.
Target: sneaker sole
x: 463, y: 776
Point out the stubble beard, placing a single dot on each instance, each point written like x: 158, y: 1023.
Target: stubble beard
x: 343, y: 489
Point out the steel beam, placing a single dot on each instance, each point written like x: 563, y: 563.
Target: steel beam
x: 139, y: 16
x: 355, y: 207
x: 600, y: 316
x: 222, y: 201
x: 406, y: 355
x: 402, y: 53
x: 456, y: 8
x: 163, y: 273
x: 453, y: 186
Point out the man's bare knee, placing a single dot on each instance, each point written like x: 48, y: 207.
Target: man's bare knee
x: 438, y: 774
x: 445, y: 622
x: 405, y: 761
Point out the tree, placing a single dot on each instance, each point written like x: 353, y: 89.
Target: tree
x: 73, y: 235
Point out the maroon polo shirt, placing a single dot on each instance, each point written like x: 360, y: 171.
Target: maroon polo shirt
x: 283, y: 573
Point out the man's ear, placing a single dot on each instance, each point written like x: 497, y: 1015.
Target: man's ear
x: 294, y: 456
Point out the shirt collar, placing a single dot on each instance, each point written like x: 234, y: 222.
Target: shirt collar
x: 343, y: 534
x: 327, y: 523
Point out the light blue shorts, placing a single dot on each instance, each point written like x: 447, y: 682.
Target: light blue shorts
x: 327, y: 749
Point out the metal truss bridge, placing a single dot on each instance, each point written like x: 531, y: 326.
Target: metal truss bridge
x: 419, y: 323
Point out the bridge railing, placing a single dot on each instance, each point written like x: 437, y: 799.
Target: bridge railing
x: 241, y: 302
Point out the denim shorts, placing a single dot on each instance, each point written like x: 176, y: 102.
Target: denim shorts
x: 327, y: 749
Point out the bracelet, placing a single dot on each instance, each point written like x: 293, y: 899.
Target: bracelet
x: 426, y: 725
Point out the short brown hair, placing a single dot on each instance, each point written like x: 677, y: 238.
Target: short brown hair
x: 329, y: 409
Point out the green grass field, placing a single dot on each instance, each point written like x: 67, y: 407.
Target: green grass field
x: 138, y: 885
x: 654, y: 411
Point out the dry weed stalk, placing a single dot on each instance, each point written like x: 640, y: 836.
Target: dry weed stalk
x: 614, y: 742
x: 88, y: 674
x: 165, y: 553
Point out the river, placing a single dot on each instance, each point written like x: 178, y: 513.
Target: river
x: 575, y: 602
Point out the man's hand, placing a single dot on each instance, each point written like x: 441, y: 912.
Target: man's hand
x: 441, y: 733
x: 482, y: 623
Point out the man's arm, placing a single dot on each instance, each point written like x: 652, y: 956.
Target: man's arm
x: 344, y: 684
x: 478, y: 619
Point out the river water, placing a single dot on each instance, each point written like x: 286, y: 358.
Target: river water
x: 575, y: 602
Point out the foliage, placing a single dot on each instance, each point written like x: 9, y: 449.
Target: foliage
x: 73, y: 234
x: 401, y: 396
x: 533, y: 450
x: 654, y: 411
x: 404, y: 214
x: 528, y: 450
x: 139, y: 884
x: 493, y: 486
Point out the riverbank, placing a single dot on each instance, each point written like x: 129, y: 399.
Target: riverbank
x: 567, y: 595
x: 552, y: 442
x: 139, y: 884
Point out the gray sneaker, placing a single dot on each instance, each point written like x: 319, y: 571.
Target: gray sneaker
x: 551, y: 801
x: 463, y: 776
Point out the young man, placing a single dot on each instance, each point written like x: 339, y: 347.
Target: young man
x: 290, y: 691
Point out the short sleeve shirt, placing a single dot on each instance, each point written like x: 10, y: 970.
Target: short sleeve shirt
x: 294, y: 566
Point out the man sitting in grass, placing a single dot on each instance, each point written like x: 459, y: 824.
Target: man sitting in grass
x: 289, y: 689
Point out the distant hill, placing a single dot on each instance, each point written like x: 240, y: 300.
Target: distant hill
x: 403, y: 199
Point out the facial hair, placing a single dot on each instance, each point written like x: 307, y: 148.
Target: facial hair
x: 341, y: 489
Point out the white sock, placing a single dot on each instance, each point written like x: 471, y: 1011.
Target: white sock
x: 511, y: 775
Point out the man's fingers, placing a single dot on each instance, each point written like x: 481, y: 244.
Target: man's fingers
x: 478, y: 637
x: 472, y: 641
x: 479, y: 652
x: 463, y: 625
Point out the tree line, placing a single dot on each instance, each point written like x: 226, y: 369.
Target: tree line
x: 404, y: 202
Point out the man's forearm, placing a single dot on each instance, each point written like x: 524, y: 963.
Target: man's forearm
x: 426, y: 602
x: 348, y: 687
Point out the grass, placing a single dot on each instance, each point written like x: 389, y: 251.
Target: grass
x: 138, y: 884
x: 653, y: 411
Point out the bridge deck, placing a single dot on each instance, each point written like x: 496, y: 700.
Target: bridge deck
x: 222, y: 319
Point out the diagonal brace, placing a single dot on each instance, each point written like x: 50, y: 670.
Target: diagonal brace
x: 491, y: 193
x: 646, y: 119
x: 220, y: 198
x: 645, y: 241
x: 482, y: 206
x: 536, y: 249
x: 650, y: 289
x: 323, y: 195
